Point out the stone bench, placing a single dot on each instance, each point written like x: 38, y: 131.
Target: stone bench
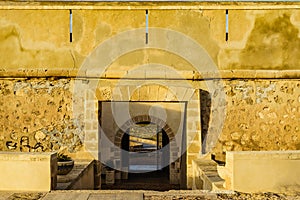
x: 263, y: 171
x: 21, y: 171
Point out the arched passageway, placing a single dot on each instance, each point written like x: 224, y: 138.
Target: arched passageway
x: 145, y: 155
x: 145, y: 148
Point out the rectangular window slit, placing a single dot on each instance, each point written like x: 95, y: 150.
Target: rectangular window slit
x: 227, y: 24
x: 71, y: 26
x: 147, y: 25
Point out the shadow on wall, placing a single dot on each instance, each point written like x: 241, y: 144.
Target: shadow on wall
x: 205, y: 105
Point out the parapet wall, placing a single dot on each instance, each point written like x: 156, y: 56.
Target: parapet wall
x: 260, y: 35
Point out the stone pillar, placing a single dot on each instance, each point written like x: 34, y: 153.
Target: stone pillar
x: 193, y: 136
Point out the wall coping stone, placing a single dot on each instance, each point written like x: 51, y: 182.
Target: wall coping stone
x: 25, y: 156
x: 183, y: 75
x: 265, y: 155
x: 143, y: 5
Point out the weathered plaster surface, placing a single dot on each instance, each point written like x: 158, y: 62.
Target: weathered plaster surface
x: 44, y: 46
x: 272, y: 41
x: 258, y: 39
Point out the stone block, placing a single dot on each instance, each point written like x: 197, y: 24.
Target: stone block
x: 28, y: 171
x: 91, y: 137
x: 91, y: 145
x: 263, y: 171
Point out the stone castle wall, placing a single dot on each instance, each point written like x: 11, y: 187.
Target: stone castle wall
x: 258, y: 67
x: 36, y: 115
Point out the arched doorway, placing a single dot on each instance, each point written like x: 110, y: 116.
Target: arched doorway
x: 146, y: 156
x: 146, y: 149
x: 116, y: 119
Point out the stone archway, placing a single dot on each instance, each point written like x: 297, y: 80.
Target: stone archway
x: 174, y: 167
x: 132, y: 87
x: 181, y: 121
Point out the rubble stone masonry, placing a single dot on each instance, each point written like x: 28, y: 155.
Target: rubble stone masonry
x: 36, y: 115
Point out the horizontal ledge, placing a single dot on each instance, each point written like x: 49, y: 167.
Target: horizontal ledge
x: 264, y: 155
x: 159, y: 5
x: 151, y: 74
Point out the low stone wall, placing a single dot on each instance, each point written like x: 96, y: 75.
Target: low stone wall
x: 263, y: 171
x: 28, y: 171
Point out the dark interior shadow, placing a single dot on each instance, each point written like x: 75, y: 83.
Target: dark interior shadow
x: 205, y: 105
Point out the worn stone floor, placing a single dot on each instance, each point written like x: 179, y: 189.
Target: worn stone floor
x: 157, y: 181
x: 141, y: 195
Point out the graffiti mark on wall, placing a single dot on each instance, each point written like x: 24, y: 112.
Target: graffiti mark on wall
x: 68, y: 135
